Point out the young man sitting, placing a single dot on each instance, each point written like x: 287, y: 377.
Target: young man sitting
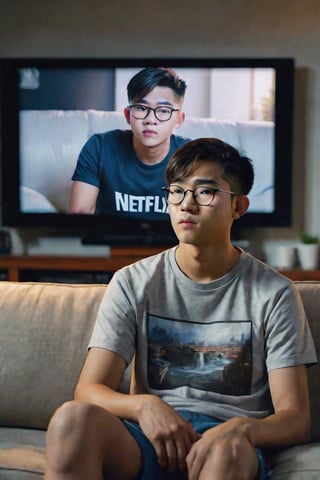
x: 220, y: 341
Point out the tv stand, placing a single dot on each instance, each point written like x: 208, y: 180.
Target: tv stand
x: 16, y: 266
x: 146, y: 240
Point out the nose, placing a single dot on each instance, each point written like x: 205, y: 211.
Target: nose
x: 188, y: 202
x: 151, y: 117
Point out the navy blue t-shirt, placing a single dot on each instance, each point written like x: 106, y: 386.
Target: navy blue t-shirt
x: 126, y: 185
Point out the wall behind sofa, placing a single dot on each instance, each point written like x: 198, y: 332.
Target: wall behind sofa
x: 204, y: 28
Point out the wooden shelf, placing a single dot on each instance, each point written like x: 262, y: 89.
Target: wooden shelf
x: 120, y: 257
x: 309, y: 275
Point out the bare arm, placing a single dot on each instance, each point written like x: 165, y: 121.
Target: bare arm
x: 290, y: 424
x: 100, y: 377
x: 83, y: 198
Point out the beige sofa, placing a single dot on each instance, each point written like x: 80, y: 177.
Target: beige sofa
x: 44, y: 330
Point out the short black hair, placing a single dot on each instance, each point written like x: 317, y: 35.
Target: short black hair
x: 237, y: 169
x: 147, y: 79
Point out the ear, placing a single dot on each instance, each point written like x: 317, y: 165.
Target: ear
x: 241, y: 205
x: 126, y: 113
x: 180, y: 119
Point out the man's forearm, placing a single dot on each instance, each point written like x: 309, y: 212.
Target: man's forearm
x: 280, y: 429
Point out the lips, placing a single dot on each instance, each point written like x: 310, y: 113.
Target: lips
x: 149, y: 133
x: 186, y: 222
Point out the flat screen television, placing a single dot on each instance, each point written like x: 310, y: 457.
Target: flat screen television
x: 50, y: 107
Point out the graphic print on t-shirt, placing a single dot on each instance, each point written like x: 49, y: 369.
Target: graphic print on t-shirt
x: 129, y: 203
x: 216, y: 357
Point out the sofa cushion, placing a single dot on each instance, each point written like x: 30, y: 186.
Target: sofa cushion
x: 311, y: 299
x: 226, y: 130
x: 46, y: 329
x: 102, y: 121
x: 26, y: 459
x: 22, y: 453
x: 297, y: 463
x: 33, y: 201
x: 19, y: 475
x: 65, y: 133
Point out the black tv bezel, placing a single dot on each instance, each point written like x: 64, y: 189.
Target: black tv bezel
x: 118, y: 229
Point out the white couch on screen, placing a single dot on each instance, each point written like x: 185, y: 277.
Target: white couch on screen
x: 51, y: 141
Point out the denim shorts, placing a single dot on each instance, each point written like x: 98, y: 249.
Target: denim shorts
x: 201, y: 423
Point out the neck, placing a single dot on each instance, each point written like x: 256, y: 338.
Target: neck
x: 204, y: 265
x: 151, y: 155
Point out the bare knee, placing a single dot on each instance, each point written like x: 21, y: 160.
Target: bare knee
x: 71, y: 417
x: 84, y: 439
x: 234, y: 457
x: 70, y: 434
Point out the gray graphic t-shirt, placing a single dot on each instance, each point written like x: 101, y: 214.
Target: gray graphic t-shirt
x: 205, y: 347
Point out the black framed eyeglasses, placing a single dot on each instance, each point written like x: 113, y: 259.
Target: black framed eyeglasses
x: 201, y: 195
x: 162, y: 113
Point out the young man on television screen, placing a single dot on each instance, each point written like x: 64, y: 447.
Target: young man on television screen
x: 121, y: 172
x: 220, y: 343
